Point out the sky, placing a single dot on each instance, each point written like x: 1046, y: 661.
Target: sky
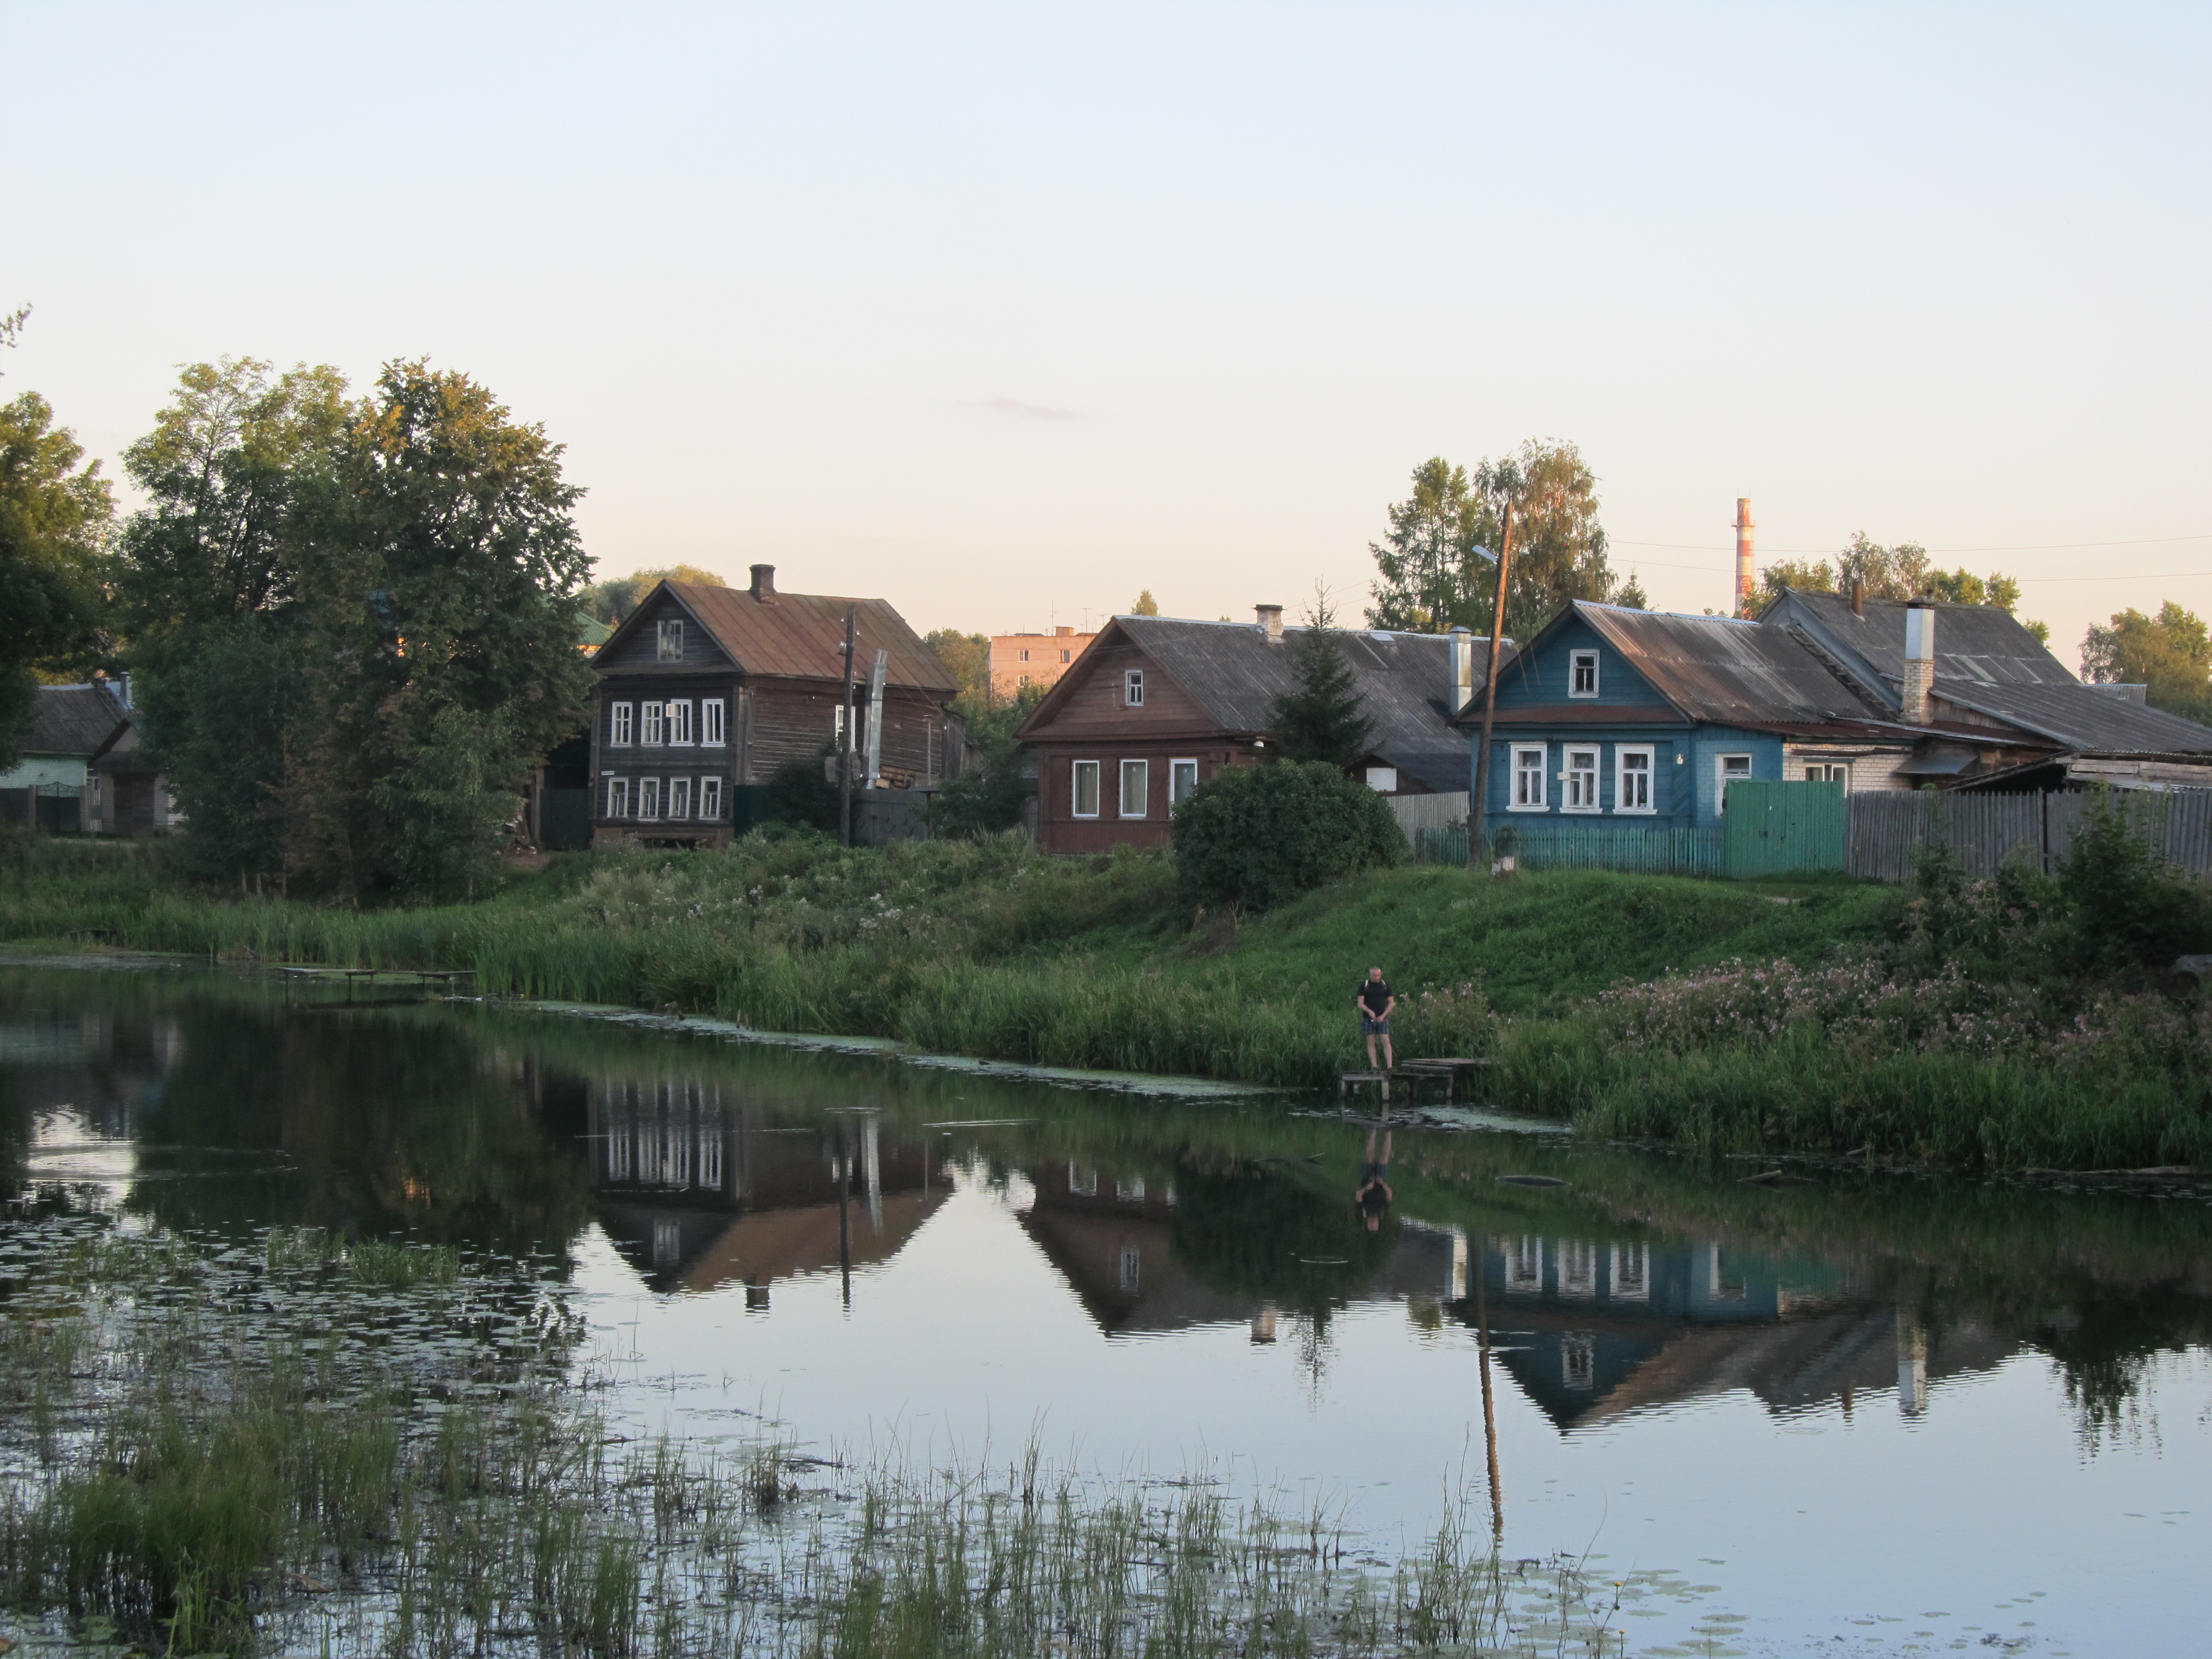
x: 1007, y: 312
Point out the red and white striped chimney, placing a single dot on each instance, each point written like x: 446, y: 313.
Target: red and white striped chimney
x: 1744, y: 583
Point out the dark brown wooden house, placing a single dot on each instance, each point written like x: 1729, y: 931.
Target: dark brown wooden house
x: 1157, y: 705
x: 705, y: 691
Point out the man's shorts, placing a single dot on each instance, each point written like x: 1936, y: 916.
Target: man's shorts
x: 1369, y: 1026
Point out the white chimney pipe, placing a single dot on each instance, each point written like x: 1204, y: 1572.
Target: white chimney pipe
x: 1919, y: 660
x: 1271, y: 620
x: 1462, y: 669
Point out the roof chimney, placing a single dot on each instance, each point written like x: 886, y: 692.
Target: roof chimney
x: 764, y: 583
x: 1919, y: 660
x: 1858, y: 598
x: 1463, y: 668
x: 1743, y: 583
x: 1271, y: 621
x: 1064, y: 631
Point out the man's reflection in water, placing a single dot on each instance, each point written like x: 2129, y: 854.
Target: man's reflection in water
x: 1372, y: 1200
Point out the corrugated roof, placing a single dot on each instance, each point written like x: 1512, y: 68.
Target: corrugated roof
x: 1404, y: 681
x: 802, y: 635
x: 73, y: 720
x: 2081, y: 717
x: 1716, y: 668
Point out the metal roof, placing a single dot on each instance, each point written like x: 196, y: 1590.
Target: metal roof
x: 1720, y: 669
x: 1404, y: 682
x: 802, y: 635
x: 2078, y: 716
x: 73, y: 720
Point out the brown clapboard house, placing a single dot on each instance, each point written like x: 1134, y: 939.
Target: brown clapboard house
x: 1157, y: 705
x: 704, y: 691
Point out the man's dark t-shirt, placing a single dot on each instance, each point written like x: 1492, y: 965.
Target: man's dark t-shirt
x: 1375, y: 995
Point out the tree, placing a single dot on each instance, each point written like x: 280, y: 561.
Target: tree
x: 967, y: 658
x: 611, y: 601
x: 54, y: 518
x: 1904, y: 571
x: 2170, y: 653
x: 988, y: 794
x: 1253, y: 836
x: 1147, y: 605
x: 1322, y: 719
x: 1430, y: 577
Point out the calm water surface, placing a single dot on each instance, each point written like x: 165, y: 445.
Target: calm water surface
x: 1873, y: 1412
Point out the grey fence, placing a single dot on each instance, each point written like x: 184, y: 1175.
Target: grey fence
x: 1418, y: 812
x: 1889, y: 830
x: 1650, y: 851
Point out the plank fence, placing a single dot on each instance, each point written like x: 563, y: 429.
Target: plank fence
x: 1888, y: 831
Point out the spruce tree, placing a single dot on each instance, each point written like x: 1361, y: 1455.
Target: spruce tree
x: 1321, y: 721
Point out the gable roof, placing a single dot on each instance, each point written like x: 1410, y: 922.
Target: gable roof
x: 799, y: 635
x: 1985, y: 661
x: 73, y: 720
x: 1236, y: 673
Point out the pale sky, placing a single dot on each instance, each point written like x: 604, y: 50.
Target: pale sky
x: 1005, y: 313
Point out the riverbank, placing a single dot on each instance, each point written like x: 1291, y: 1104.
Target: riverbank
x: 1623, y: 1002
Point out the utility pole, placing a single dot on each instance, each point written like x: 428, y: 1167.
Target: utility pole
x: 845, y: 741
x: 1475, y: 808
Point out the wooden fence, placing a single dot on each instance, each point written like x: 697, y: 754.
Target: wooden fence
x: 1419, y: 812
x: 1888, y: 830
x: 1649, y: 850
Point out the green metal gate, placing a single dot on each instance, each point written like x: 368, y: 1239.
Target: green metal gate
x: 1773, y: 829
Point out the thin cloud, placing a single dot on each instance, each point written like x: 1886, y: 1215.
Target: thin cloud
x: 1021, y: 411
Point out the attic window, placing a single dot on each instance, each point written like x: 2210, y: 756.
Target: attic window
x: 1582, y: 674
x: 672, y: 641
x: 1132, y: 689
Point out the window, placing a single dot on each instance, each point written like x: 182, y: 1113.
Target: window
x: 1578, y: 1359
x: 1632, y: 781
x: 667, y: 1242
x: 1577, y: 1269
x: 651, y: 718
x: 679, y: 798
x: 1528, y: 778
x: 680, y: 721
x: 710, y: 800
x: 1026, y: 656
x: 1132, y: 689
x: 1067, y: 656
x: 1129, y: 1191
x: 618, y: 798
x: 1631, y: 1272
x: 1727, y: 768
x: 1134, y: 780
x: 672, y: 641
x: 712, y: 732
x: 1581, y: 781
x: 618, y: 726
x: 648, y: 799
x: 1582, y: 674
x: 710, y: 1155
x: 1829, y: 772
x: 1132, y: 1267
x: 1384, y: 780
x: 1524, y: 1264
x: 1083, y: 1183
x: 1183, y: 778
x: 1085, y: 789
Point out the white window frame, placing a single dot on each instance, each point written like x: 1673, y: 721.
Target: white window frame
x: 669, y: 641
x: 1648, y: 754
x: 679, y: 723
x: 710, y: 800
x: 1076, y: 771
x: 679, y: 798
x: 1831, y: 772
x: 652, y: 725
x: 714, y: 727
x: 620, y: 726
x: 618, y: 798
x: 1580, y: 779
x: 649, y: 800
x: 1179, y: 791
x: 1025, y: 655
x: 1132, y: 688
x: 1576, y: 660
x: 1382, y: 780
x: 1721, y: 776
x: 1143, y: 775
x: 1529, y: 763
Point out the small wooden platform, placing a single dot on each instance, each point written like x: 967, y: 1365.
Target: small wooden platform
x: 446, y: 978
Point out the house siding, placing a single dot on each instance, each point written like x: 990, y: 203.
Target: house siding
x: 1059, y: 830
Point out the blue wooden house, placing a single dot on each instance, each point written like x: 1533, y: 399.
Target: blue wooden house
x: 1642, y: 719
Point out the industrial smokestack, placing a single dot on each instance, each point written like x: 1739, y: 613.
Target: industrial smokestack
x: 1919, y: 660
x: 1743, y: 581
x: 1462, y: 669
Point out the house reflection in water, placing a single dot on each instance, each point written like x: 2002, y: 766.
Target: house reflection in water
x: 696, y: 1190
x: 1592, y: 1330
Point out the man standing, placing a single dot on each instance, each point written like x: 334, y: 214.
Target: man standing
x: 1375, y: 1002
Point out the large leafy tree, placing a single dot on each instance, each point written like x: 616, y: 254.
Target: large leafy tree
x: 54, y: 518
x: 1436, y: 567
x: 612, y: 600
x: 2170, y: 653
x: 1902, y: 571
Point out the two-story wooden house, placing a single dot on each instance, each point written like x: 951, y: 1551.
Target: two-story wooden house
x: 704, y: 692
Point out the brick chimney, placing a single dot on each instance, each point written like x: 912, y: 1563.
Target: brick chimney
x: 764, y: 583
x: 1746, y: 582
x: 1463, y: 668
x: 1919, y: 660
x: 1271, y: 621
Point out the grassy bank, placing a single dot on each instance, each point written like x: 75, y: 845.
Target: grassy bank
x: 1622, y: 1001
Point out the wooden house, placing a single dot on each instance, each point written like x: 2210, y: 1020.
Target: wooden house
x: 81, y: 772
x: 704, y: 692
x: 1157, y: 705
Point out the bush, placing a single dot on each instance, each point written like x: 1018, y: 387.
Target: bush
x: 799, y: 792
x: 2131, y: 908
x: 1253, y: 836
